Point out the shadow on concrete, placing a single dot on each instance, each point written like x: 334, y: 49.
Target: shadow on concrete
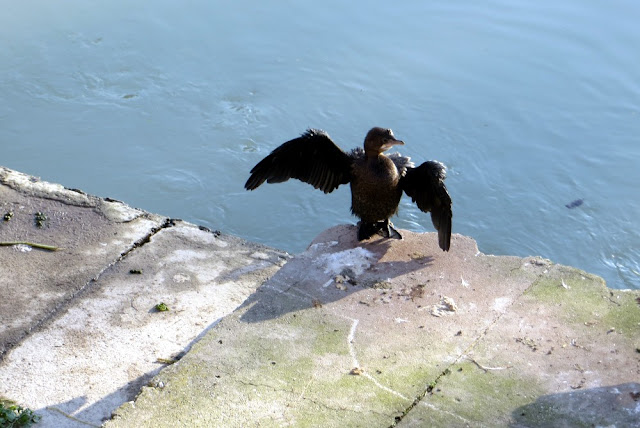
x: 64, y: 413
x: 96, y: 414
x: 304, y: 282
x: 617, y: 405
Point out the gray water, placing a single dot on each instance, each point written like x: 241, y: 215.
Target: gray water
x: 168, y: 105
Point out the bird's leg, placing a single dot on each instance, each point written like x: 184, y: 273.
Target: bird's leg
x: 389, y: 230
x: 366, y: 230
x: 383, y: 228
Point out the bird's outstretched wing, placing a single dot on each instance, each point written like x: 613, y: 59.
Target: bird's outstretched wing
x: 402, y: 162
x: 425, y: 185
x: 313, y: 158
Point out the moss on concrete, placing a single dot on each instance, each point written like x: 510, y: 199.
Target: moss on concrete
x: 468, y: 394
x: 585, y: 299
x: 300, y: 354
x: 331, y: 339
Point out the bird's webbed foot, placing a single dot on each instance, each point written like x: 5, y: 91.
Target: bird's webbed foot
x: 384, y: 228
x: 388, y: 231
x: 366, y: 230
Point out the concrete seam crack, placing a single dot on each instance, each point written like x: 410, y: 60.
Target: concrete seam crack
x: 342, y: 409
x: 86, y: 287
x: 259, y: 385
x: 169, y: 222
x: 249, y: 383
x: 300, y: 397
x: 472, y: 345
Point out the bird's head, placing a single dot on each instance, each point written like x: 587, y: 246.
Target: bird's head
x: 379, y: 140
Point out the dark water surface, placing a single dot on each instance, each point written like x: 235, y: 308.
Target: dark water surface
x: 167, y: 105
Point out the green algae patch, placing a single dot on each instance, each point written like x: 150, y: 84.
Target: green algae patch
x: 476, y: 396
x: 585, y: 299
x: 411, y: 379
x: 275, y: 378
x: 330, y: 337
x: 300, y: 354
x: 625, y: 317
x: 261, y: 377
x: 357, y: 393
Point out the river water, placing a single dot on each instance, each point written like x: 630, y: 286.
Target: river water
x: 167, y: 105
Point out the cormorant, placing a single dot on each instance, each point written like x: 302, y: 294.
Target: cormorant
x: 377, y: 181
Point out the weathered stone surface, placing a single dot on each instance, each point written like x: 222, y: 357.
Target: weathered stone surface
x: 381, y: 333
x: 562, y: 355
x: 392, y: 332
x: 36, y: 283
x: 83, y: 332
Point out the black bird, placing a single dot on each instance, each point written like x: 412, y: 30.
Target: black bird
x: 377, y: 181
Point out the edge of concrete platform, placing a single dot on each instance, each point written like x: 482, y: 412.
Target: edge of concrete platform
x: 378, y: 333
x: 396, y: 333
x: 80, y: 323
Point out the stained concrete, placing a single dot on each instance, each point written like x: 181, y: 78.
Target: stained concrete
x: 92, y: 233
x: 379, y: 333
x: 79, y: 331
x: 397, y: 333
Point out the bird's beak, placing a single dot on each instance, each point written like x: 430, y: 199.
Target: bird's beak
x: 391, y: 143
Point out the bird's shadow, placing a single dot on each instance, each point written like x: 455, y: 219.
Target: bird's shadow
x: 617, y: 406
x: 329, y: 271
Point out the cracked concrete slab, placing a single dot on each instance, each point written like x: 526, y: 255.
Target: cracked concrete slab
x: 92, y: 233
x: 79, y: 325
x: 398, y: 333
x: 566, y: 354
x: 379, y: 333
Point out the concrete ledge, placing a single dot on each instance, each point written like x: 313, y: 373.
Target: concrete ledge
x: 398, y: 333
x: 79, y: 332
x: 381, y: 333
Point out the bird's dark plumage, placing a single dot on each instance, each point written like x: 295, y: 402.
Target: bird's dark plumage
x: 377, y: 181
x: 312, y: 158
